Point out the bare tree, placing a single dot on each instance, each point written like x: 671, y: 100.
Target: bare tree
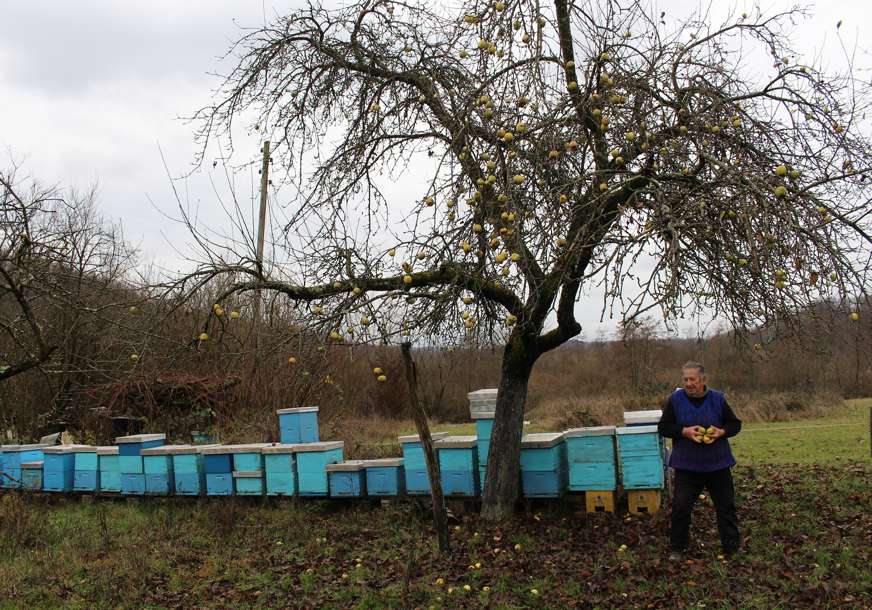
x: 687, y: 166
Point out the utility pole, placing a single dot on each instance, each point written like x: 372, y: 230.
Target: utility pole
x: 261, y: 232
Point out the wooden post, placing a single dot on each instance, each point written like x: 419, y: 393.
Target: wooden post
x: 440, y: 517
x: 261, y: 233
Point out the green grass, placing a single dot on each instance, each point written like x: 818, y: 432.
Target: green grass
x: 842, y: 436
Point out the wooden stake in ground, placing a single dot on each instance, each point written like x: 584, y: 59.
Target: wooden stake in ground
x: 440, y: 517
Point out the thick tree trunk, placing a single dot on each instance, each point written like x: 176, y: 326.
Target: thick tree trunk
x: 502, y: 481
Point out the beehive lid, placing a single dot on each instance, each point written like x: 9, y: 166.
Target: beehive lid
x: 591, y: 431
x: 14, y: 448
x: 247, y: 474
x: 187, y: 449
x: 84, y: 449
x: 280, y: 448
x: 60, y: 449
x: 113, y: 450
x: 225, y: 449
x: 636, y: 430
x: 164, y: 449
x: 483, y: 393
x: 349, y: 466
x: 322, y: 446
x: 383, y: 463
x: 140, y: 438
x: 541, y: 440
x: 414, y: 438
x: 642, y: 417
x: 482, y: 415
x: 297, y: 410
x: 31, y: 465
x: 457, y: 442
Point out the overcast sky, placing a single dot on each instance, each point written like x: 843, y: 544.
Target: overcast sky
x: 89, y: 91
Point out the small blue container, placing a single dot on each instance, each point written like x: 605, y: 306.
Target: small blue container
x: 311, y: 462
x: 58, y: 471
x: 219, y: 484
x: 347, y: 479
x: 248, y: 483
x: 87, y: 468
x: 458, y: 465
x: 592, y: 458
x: 31, y: 476
x: 298, y: 425
x: 384, y: 477
x: 189, y: 472
x: 279, y: 465
x: 415, y: 464
x: 109, y: 480
x: 640, y: 455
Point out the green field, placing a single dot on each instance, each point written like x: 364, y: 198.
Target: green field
x: 804, y: 506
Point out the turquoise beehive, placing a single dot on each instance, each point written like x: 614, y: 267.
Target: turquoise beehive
x: 86, y: 475
x: 58, y: 468
x: 591, y: 458
x: 417, y: 481
x: 159, y: 469
x: 640, y: 457
x: 458, y: 465
x: 384, y: 477
x: 109, y: 480
x: 130, y: 463
x: 189, y: 474
x: 16, y: 455
x: 278, y: 461
x: 543, y: 465
x: 298, y: 425
x: 221, y: 461
x: 347, y: 479
x: 311, y: 460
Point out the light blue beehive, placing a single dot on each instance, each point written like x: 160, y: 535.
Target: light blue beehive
x: 591, y: 458
x: 278, y: 462
x: 159, y: 469
x: 347, y: 479
x: 311, y: 460
x: 130, y: 463
x: 248, y: 469
x: 58, y: 468
x: 248, y: 482
x: 86, y: 475
x: 640, y: 457
x: 384, y: 477
x: 189, y: 473
x: 458, y: 465
x: 16, y: 455
x: 298, y: 425
x: 31, y: 476
x: 110, y: 470
x: 415, y: 464
x: 543, y: 465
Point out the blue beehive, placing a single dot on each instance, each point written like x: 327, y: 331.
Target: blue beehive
x: 159, y: 469
x: 130, y: 462
x: 109, y: 480
x: 278, y: 462
x: 31, y: 476
x: 458, y: 465
x: 221, y: 461
x: 384, y: 477
x: 641, y: 457
x: 248, y: 482
x: 86, y: 476
x: 16, y: 455
x: 298, y: 425
x: 484, y: 426
x: 189, y: 472
x: 347, y: 479
x: 415, y: 464
x: 311, y: 461
x: 543, y: 465
x: 590, y: 454
x: 58, y: 468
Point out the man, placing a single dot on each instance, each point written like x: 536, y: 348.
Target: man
x: 699, y: 421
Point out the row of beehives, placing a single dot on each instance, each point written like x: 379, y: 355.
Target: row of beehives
x: 577, y: 460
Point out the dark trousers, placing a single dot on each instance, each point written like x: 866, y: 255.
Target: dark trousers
x: 688, y: 486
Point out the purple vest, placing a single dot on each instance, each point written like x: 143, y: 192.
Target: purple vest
x: 699, y: 457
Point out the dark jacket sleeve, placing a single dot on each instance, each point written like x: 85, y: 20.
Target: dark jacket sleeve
x: 732, y: 424
x: 668, y: 425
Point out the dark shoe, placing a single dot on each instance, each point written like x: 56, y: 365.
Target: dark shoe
x: 676, y: 556
x: 731, y: 553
